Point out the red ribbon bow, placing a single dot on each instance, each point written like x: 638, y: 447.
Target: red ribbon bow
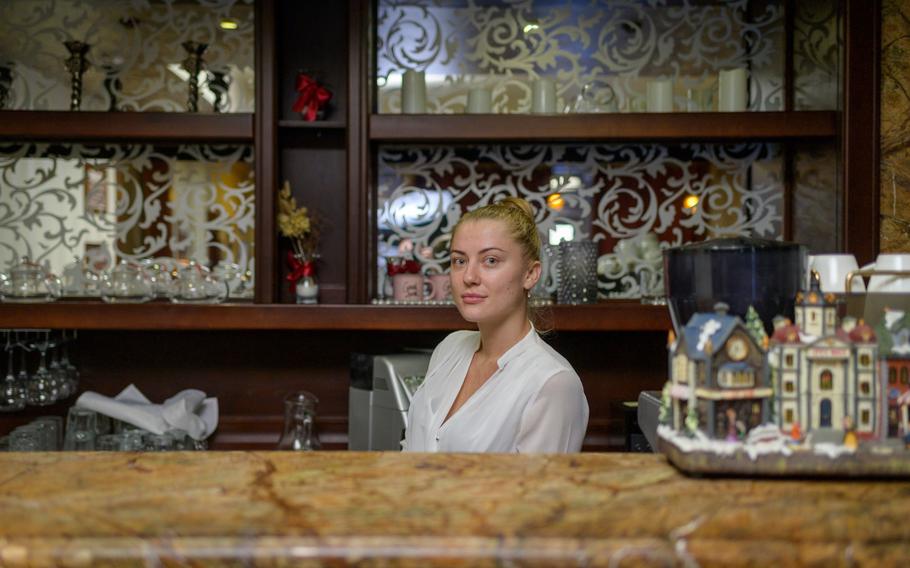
x: 298, y: 270
x: 403, y: 267
x: 312, y: 97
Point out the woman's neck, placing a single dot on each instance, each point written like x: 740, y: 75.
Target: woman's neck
x: 497, y: 338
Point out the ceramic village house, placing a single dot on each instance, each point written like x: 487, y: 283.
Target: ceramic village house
x: 719, y: 367
x: 893, y: 332
x: 823, y: 373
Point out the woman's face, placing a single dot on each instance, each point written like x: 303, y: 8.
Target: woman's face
x: 490, y: 276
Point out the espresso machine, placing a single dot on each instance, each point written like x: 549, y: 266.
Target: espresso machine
x: 379, y: 397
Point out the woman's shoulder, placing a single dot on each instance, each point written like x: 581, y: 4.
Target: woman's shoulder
x: 545, y: 352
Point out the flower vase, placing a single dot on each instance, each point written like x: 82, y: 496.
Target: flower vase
x: 307, y: 290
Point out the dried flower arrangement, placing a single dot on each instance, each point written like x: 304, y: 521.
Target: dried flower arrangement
x: 298, y: 224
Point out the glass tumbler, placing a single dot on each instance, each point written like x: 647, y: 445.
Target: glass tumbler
x: 26, y: 439
x: 108, y: 443
x: 81, y: 428
x: 54, y: 426
x: 159, y: 443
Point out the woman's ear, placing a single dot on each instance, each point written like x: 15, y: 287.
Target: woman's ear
x: 532, y: 275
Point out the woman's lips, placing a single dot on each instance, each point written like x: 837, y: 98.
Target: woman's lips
x: 471, y: 298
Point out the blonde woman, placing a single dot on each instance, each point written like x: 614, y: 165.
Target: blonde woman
x: 500, y: 388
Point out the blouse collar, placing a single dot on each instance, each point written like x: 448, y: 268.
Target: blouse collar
x: 519, y: 348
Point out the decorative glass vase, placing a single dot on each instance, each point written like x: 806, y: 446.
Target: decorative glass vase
x: 307, y: 290
x: 577, y: 272
x: 299, y: 417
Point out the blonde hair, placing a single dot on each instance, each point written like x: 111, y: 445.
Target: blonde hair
x: 518, y: 217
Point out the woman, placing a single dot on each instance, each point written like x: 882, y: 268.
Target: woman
x: 501, y: 388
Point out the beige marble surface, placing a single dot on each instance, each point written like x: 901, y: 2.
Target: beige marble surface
x: 251, y: 508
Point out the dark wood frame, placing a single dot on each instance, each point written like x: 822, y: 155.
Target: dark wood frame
x: 266, y: 155
x: 860, y: 129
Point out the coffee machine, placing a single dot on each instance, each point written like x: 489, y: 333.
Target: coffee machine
x: 379, y: 397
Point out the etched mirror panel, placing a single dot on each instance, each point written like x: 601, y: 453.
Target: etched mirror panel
x: 817, y: 200
x: 817, y: 54
x: 105, y: 203
x: 621, y: 196
x: 602, y: 56
x: 136, y: 59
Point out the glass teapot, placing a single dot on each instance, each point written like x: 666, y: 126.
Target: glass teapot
x: 79, y: 279
x: 127, y: 283
x: 196, y: 284
x: 29, y: 282
x: 160, y: 274
x: 299, y: 417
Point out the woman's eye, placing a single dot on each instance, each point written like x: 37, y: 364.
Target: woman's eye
x: 491, y: 260
x: 457, y: 261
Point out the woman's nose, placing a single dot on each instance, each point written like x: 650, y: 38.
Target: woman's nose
x: 470, y: 275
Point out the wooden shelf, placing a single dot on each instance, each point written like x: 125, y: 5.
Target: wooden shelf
x: 52, y: 126
x: 604, y: 127
x: 313, y: 125
x: 605, y: 316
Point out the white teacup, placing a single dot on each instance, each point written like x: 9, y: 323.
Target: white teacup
x: 890, y: 284
x: 832, y: 270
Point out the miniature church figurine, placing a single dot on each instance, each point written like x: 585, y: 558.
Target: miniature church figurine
x: 731, y: 425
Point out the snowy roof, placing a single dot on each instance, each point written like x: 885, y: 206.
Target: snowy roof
x: 706, y: 328
x: 862, y: 333
x: 786, y: 334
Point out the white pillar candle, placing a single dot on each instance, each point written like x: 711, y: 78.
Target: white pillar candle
x: 660, y: 95
x: 413, y: 92
x: 543, y: 96
x: 731, y: 86
x: 480, y: 101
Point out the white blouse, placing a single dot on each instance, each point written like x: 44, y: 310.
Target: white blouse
x: 533, y: 402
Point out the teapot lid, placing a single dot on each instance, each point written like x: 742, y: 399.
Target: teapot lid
x: 26, y: 266
x: 734, y: 244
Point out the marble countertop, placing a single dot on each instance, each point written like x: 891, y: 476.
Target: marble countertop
x: 262, y: 508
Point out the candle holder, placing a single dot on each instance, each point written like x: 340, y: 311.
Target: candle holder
x: 193, y: 64
x: 6, y: 83
x: 76, y: 64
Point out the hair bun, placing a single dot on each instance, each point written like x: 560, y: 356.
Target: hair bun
x: 519, y: 204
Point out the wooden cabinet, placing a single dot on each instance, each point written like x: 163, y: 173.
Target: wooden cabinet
x: 330, y: 165
x: 250, y: 355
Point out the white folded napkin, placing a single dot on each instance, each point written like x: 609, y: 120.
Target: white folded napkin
x: 188, y: 411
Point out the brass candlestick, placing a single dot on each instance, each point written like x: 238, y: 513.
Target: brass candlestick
x: 193, y: 65
x: 76, y: 64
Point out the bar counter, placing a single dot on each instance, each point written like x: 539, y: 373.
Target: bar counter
x: 272, y: 508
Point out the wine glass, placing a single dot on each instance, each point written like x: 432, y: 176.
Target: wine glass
x: 12, y: 393
x: 72, y: 373
x: 41, y: 387
x: 58, y: 372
